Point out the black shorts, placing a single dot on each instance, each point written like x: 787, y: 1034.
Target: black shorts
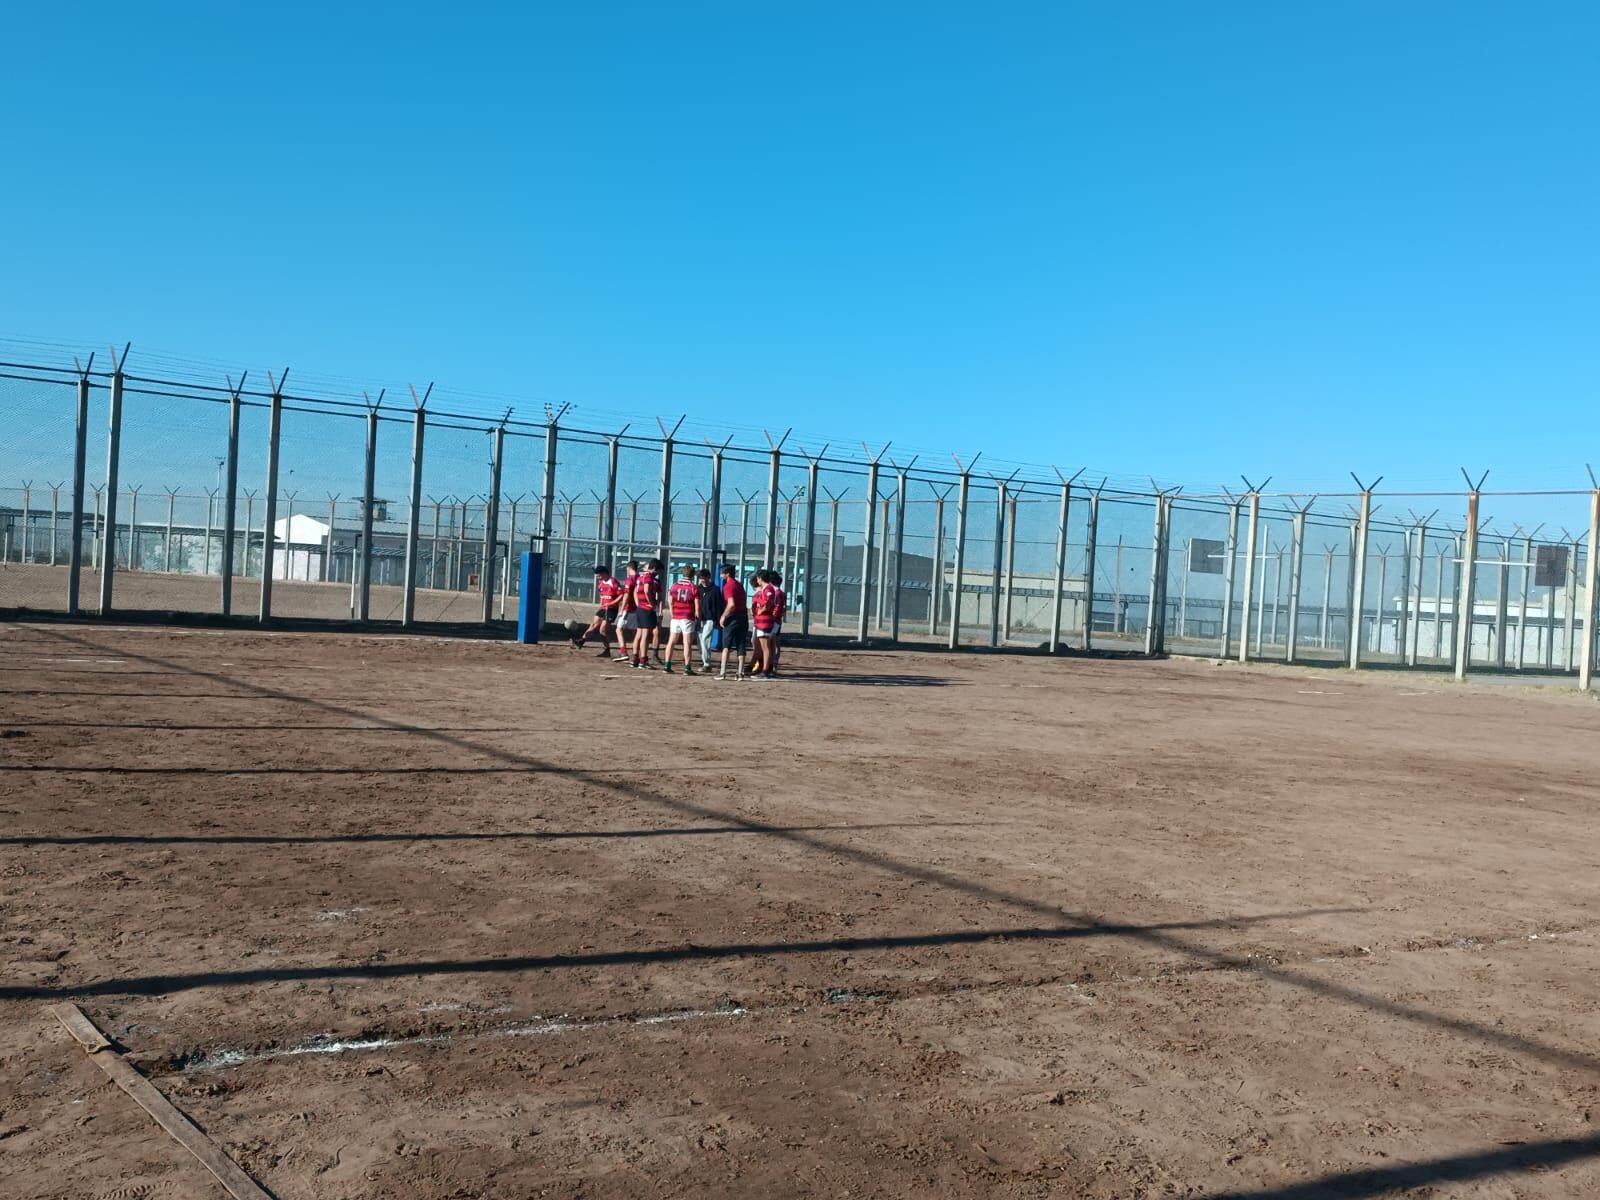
x: 736, y: 634
x: 644, y: 619
x: 607, y: 614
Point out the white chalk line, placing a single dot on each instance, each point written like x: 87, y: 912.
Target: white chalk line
x: 538, y: 1027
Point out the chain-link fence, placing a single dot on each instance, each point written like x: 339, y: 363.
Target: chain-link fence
x: 122, y: 492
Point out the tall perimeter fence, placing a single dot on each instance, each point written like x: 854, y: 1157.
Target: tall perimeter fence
x: 243, y: 497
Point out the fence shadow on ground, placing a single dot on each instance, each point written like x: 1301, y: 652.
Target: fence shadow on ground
x: 551, y: 835
x: 1404, y: 1177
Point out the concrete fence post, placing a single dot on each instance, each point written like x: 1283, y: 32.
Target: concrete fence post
x: 108, y: 555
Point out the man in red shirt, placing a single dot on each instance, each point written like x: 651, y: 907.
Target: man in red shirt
x: 776, y: 581
x: 608, y: 591
x: 734, y: 622
x: 646, y: 600
x: 684, y: 599
x: 626, y: 626
x: 765, y: 613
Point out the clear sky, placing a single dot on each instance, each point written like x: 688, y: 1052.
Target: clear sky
x: 1185, y: 239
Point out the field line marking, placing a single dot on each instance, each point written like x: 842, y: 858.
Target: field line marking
x: 148, y: 1097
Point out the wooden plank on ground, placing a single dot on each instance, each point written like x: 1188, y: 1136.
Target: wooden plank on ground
x: 146, y: 1095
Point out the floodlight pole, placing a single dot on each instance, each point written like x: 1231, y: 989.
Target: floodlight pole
x: 80, y: 451
x: 270, y: 500
x: 419, y: 423
x: 1468, y: 573
x: 963, y: 491
x: 108, y: 558
x: 1591, y: 577
x: 1359, y: 570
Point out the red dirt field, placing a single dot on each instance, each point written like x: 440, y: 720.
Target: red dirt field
x: 410, y: 917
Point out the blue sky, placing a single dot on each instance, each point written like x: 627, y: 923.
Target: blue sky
x: 1190, y: 240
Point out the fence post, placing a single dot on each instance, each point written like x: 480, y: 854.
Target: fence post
x: 1091, y: 540
x: 55, y: 520
x: 270, y: 519
x: 27, y: 519
x: 866, y: 546
x: 1229, y: 569
x: 368, y: 476
x: 230, y: 502
x: 547, y: 500
x: 1061, y: 558
x: 899, y: 550
x: 97, y: 542
x: 1591, y: 576
x: 108, y: 558
x: 419, y: 422
x: 963, y: 490
x: 833, y: 542
x: 883, y: 568
x: 1359, y: 568
x: 1468, y: 575
x: 1152, y: 636
x: 1254, y: 495
x: 491, y: 522
x: 1009, y: 582
x: 811, y: 536
x: 166, y: 541
x: 1522, y: 607
x: 80, y: 450
x: 133, y: 528
x: 1569, y: 649
x: 773, y: 470
x: 664, y: 524
x: 327, y: 551
x: 612, y: 453
x: 1296, y: 568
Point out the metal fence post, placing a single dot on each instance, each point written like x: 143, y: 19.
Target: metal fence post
x: 419, y: 423
x: 547, y: 504
x: 1502, y: 608
x: 1061, y: 558
x: 368, y: 479
x: 1296, y: 573
x: 833, y: 543
x: 327, y: 551
x: 1591, y: 577
x: 1091, y: 540
x: 613, y: 451
x: 1468, y: 575
x: 1570, y: 642
x: 1154, y: 618
x: 936, y: 568
x: 55, y: 520
x: 899, y: 552
x: 1522, y: 606
x: 963, y: 490
x: 230, y: 502
x: 108, y: 553
x: 491, y: 521
x: 883, y: 568
x: 1253, y: 523
x: 1229, y: 569
x: 664, y: 524
x: 1009, y: 582
x: 166, y: 540
x: 774, y: 469
x: 80, y: 451
x: 866, y: 549
x: 811, y: 542
x: 269, y: 535
x: 1359, y: 568
x: 997, y: 567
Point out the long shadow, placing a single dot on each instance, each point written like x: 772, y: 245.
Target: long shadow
x: 541, y: 769
x: 238, y: 728
x: 97, y: 693
x: 554, y: 835
x: 1163, y: 939
x: 150, y: 985
x: 1458, y: 1168
x: 866, y: 680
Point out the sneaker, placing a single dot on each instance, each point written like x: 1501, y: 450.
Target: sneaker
x: 720, y: 675
x: 667, y: 667
x: 606, y: 653
x: 690, y: 671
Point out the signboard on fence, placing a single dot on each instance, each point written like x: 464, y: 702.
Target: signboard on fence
x: 1550, y: 567
x: 1205, y: 556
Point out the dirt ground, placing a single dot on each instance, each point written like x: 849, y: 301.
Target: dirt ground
x: 409, y: 917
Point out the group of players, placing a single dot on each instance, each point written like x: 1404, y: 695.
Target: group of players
x: 702, y: 614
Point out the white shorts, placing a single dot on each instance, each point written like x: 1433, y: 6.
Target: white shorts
x: 685, y: 625
x: 767, y: 633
